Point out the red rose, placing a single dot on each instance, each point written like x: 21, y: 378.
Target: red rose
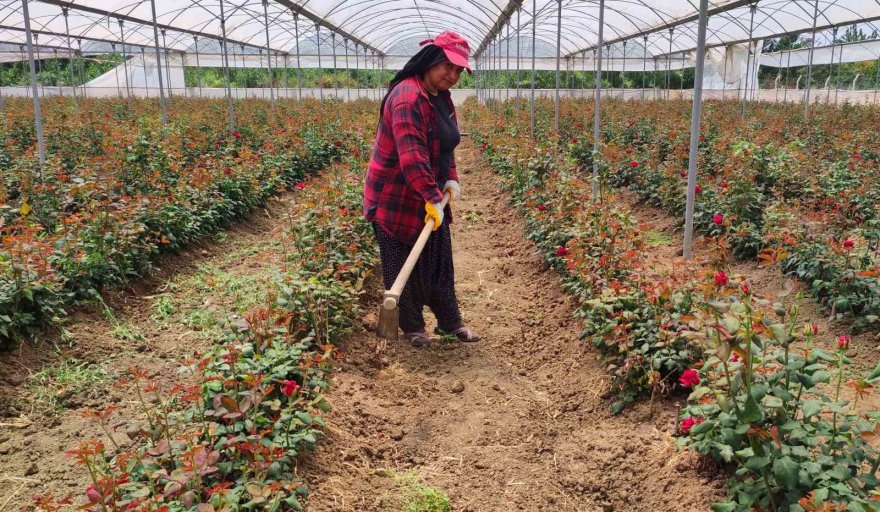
x: 170, y: 198
x: 236, y: 135
x: 843, y: 342
x: 338, y: 143
x: 289, y: 387
x: 698, y: 189
x: 574, y: 140
x: 702, y: 137
x: 301, y: 185
x: 541, y: 208
x: 745, y: 288
x: 688, y: 423
x: 357, y: 153
x: 721, y: 278
x: 717, y: 219
x: 848, y: 243
x: 725, y: 186
x: 633, y: 164
x: 227, y: 171
x: 561, y: 251
x: 689, y: 378
x: 483, y: 146
x: 683, y: 175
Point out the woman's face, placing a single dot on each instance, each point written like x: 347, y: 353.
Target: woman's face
x: 443, y: 76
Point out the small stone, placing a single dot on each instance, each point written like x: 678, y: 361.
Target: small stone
x: 458, y: 387
x: 398, y: 435
x: 496, y: 387
x: 5, y: 449
x: 32, y: 470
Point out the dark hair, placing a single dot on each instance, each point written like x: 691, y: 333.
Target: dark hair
x: 430, y: 55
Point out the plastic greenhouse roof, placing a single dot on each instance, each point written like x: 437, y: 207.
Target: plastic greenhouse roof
x: 395, y: 27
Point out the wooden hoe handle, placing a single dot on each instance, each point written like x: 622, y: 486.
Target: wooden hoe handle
x: 392, y: 296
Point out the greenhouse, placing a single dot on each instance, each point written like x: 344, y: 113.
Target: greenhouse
x: 647, y: 234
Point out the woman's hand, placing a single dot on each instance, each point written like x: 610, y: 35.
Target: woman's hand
x: 434, y: 212
x: 453, y: 189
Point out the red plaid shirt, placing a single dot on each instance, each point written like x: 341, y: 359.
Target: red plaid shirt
x: 404, y: 171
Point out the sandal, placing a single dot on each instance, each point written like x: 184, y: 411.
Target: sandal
x: 463, y: 334
x: 418, y: 338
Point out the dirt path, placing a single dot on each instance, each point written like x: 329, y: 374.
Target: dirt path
x: 515, y: 422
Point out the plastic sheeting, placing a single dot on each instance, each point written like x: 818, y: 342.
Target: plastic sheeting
x: 850, y: 52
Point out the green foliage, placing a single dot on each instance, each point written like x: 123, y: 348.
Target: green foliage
x: 776, y: 414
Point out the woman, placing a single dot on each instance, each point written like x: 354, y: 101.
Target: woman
x: 412, y: 167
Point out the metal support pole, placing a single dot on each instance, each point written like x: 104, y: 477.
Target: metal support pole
x: 518, y: 27
x: 268, y: 53
x: 839, y: 66
x: 38, y: 114
x: 125, y: 61
x: 669, y: 64
x: 146, y: 79
x: 298, y: 69
x: 82, y: 78
x: 198, y: 65
x: 752, y: 9
x: 318, y: 41
x: 116, y: 72
x: 696, y: 114
x: 357, y: 82
x: 507, y: 66
x: 598, y: 105
x: 778, y: 76
x: 787, y: 69
x: 876, y: 79
x: 347, y: 86
x: 558, y: 52
x: 644, y: 63
x: 71, y: 55
x: 167, y: 65
x: 623, y: 75
x: 532, y: 101
x: 335, y: 69
x: 224, y: 46
x: 810, y: 61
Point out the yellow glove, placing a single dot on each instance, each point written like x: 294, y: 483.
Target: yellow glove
x: 434, y: 212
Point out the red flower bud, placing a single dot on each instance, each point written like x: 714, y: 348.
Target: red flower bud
x: 688, y: 423
x: 683, y: 174
x: 227, y: 171
x: 725, y: 186
x: 698, y: 189
x: 541, y: 208
x: 337, y: 143
x: 289, y: 387
x: 633, y: 164
x: 843, y: 342
x: 745, y: 288
x: 301, y: 185
x: 236, y: 135
x: 689, y: 378
x: 717, y: 219
x: 814, y: 328
x: 721, y: 278
x: 574, y: 140
x: 561, y: 251
x: 848, y: 243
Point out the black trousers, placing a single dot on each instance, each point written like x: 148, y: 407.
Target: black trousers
x: 432, y: 282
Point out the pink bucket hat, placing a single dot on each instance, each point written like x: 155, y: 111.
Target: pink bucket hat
x: 454, y: 46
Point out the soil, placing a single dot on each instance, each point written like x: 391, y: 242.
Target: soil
x: 518, y: 421
x: 515, y: 422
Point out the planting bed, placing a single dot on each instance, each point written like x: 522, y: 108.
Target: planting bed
x: 613, y: 375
